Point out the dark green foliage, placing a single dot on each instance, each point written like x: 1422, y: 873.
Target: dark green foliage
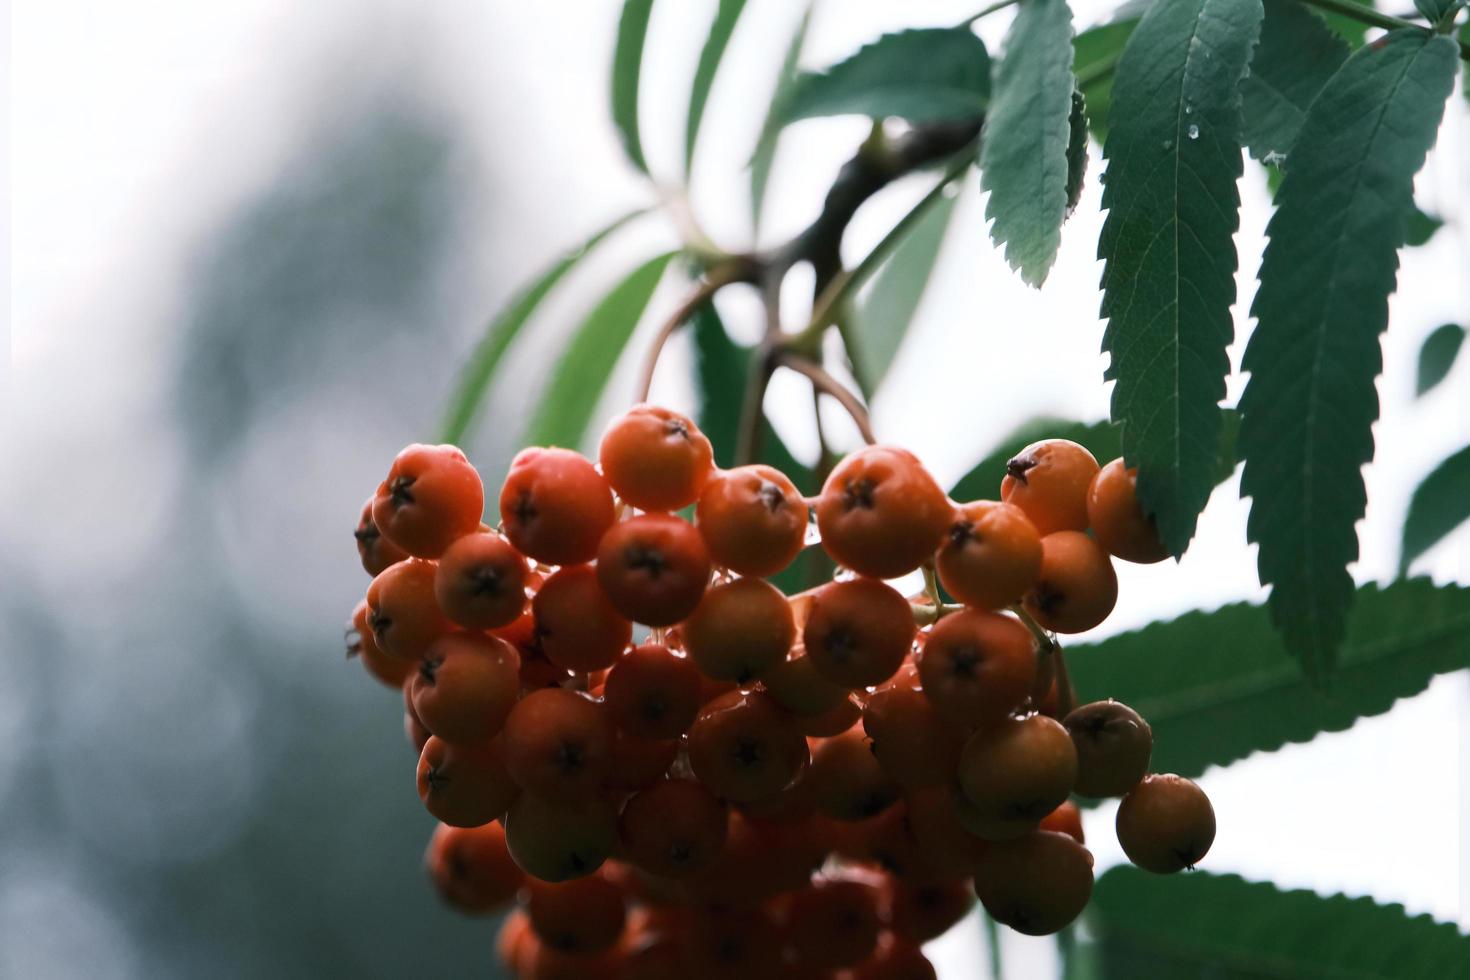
x: 1437, y: 355
x: 627, y: 67
x: 1323, y: 300
x: 710, y: 56
x: 1440, y: 504
x: 1298, y: 53
x: 1173, y: 208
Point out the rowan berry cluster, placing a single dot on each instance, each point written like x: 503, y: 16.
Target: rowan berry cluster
x: 762, y: 785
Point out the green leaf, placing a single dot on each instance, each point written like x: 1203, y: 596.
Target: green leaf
x: 1298, y: 53
x: 721, y: 368
x: 1099, y: 438
x: 1439, y: 11
x: 627, y: 66
x: 1173, y: 159
x: 1437, y: 355
x: 1023, y: 150
x: 710, y: 55
x: 1226, y: 928
x: 876, y: 326
x: 577, y: 380
x: 1076, y: 150
x: 474, y: 378
x: 1218, y: 686
x: 1440, y: 504
x: 765, y: 148
x: 1328, y: 269
x: 1419, y: 227
x: 1095, y: 54
x: 927, y: 75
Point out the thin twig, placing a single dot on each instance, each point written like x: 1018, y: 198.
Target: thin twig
x: 717, y: 279
x: 1374, y: 18
x: 830, y: 386
x: 986, y: 12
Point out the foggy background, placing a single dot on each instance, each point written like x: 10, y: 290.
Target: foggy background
x: 251, y: 242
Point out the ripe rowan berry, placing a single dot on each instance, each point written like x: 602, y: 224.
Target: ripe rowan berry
x: 761, y: 858
x: 991, y: 555
x: 832, y: 722
x: 833, y: 924
x: 1019, y: 769
x: 941, y: 837
x: 1166, y: 824
x: 652, y: 692
x: 465, y: 686
x: 638, y: 762
x: 558, y: 744
x: 481, y: 582
x: 735, y: 945
x: 881, y: 513
x: 753, y: 520
x: 674, y: 828
x: 542, y: 962
x: 577, y: 626
x: 744, y: 747
x: 893, y: 846
x: 413, y: 728
x: 1049, y: 480
x: 656, y: 954
x: 798, y: 687
x: 858, y: 632
x: 555, y: 506
x: 653, y: 568
x: 1065, y: 819
x: 583, y: 915
x: 1077, y: 588
x: 1117, y: 518
x: 846, y: 781
x: 1037, y: 883
x: 559, y: 841
x: 471, y: 867
x: 1113, y: 747
x: 921, y: 912
x: 655, y: 458
x: 402, y: 610
x: 895, y: 960
x: 465, y: 785
x: 375, y: 551
x: 739, y: 630
x: 389, y: 671
x: 977, y: 666
x: 910, y: 739
x: 431, y: 497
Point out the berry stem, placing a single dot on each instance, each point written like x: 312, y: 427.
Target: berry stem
x: 1047, y: 646
x: 830, y: 386
x: 735, y: 269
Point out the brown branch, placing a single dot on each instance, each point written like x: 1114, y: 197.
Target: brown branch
x: 735, y: 270
x: 831, y: 387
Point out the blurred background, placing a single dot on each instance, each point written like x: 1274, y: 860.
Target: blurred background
x: 251, y: 242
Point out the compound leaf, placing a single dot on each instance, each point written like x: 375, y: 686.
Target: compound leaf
x: 1325, y: 278
x: 1173, y: 159
x: 1298, y: 53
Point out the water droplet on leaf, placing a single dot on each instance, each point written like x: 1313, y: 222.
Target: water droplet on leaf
x: 1193, y: 131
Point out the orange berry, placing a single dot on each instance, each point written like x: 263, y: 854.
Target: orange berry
x: 1019, y: 769
x: 833, y: 924
x: 389, y: 671
x: 465, y: 785
x: 895, y: 960
x: 652, y: 692
x: 1117, y: 518
x: 471, y: 867
x: 858, y: 632
x: 798, y: 687
x: 1049, y: 480
x: 577, y: 627
x: 431, y: 497
x: 910, y: 739
x: 735, y: 945
x: 942, y: 838
x: 739, y: 630
x: 1065, y: 819
x: 991, y: 556
x: 1077, y: 588
x: 555, y: 506
x: 881, y: 513
x: 481, y: 582
x: 753, y: 519
x: 1037, y: 884
x: 1113, y: 747
x: 834, y: 721
x: 375, y: 551
x: 653, y: 568
x: 465, y: 686
x: 846, y: 782
x: 402, y: 610
x: 583, y: 915
x: 1166, y: 824
x: 744, y: 747
x: 413, y: 728
x: 513, y: 942
x: 558, y: 744
x: 638, y: 762
x: 674, y: 828
x: 656, y: 459
x: 921, y: 912
x: 976, y: 667
x: 559, y: 841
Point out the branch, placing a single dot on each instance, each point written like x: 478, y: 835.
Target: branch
x: 737, y: 269
x: 1373, y: 18
x: 830, y: 386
